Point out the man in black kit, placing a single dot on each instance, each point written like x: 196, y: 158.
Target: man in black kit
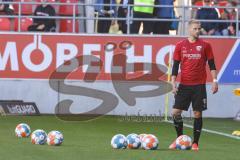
x: 43, y: 24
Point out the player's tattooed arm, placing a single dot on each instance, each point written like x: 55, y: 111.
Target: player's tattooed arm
x: 174, y: 84
x: 214, y: 83
x: 212, y: 67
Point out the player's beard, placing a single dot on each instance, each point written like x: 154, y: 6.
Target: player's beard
x: 193, y: 38
x: 196, y: 36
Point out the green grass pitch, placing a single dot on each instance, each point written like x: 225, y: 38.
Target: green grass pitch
x: 91, y: 140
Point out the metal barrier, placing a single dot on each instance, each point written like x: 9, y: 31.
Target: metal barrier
x: 182, y: 20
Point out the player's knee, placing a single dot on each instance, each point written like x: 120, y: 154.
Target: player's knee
x: 177, y: 117
x: 176, y: 113
x: 197, y: 114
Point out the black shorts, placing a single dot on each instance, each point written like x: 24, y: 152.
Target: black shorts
x: 195, y: 94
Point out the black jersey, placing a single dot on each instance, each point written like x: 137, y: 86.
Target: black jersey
x: 46, y: 11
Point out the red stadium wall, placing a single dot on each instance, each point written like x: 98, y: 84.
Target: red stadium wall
x: 38, y: 56
x: 27, y: 62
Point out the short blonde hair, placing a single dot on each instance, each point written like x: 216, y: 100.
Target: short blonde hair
x: 194, y: 21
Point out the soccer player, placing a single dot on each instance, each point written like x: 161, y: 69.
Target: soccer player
x: 192, y: 55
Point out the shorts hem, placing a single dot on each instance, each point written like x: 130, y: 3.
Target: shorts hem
x: 183, y: 109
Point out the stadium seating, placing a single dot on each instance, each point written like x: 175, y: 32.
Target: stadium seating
x: 47, y: 1
x: 5, y: 24
x: 66, y: 25
x: 68, y: 9
x: 24, y: 23
x: 26, y: 9
x: 222, y: 4
x: 198, y: 3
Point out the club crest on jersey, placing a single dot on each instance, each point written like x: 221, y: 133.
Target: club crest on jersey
x: 198, y: 48
x: 184, y: 50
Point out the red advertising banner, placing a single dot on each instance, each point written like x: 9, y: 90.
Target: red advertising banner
x: 102, y: 57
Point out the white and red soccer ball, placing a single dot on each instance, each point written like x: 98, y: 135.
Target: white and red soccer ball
x: 150, y: 142
x: 183, y: 142
x: 22, y: 130
x: 54, y: 138
x: 141, y: 136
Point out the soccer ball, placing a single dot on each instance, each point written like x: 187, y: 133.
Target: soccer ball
x: 183, y: 142
x: 54, y: 138
x: 39, y: 137
x: 141, y: 136
x: 22, y: 130
x: 119, y: 141
x: 133, y: 141
x: 150, y: 142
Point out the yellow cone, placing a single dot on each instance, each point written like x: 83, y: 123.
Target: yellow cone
x: 234, y: 133
x: 237, y: 91
x: 238, y: 133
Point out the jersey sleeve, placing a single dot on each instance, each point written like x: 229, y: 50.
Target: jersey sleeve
x: 177, y: 52
x: 209, y: 52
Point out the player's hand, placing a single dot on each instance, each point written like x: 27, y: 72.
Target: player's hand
x: 110, y: 12
x: 214, y: 87
x: 103, y: 11
x: 174, y: 88
x: 231, y: 29
x: 1, y: 7
x: 211, y: 32
x: 203, y: 32
x: 40, y: 27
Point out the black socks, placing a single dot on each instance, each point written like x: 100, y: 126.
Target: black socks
x: 178, y: 123
x: 197, y: 127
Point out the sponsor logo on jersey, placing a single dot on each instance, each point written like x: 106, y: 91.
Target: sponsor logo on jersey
x: 192, y: 56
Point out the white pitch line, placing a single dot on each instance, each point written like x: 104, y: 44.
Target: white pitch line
x: 211, y: 131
